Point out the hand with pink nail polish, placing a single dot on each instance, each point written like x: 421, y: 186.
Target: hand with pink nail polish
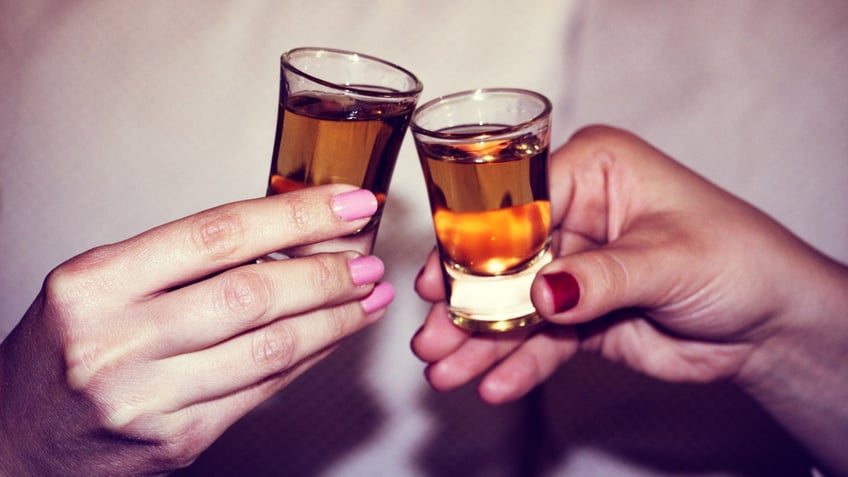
x: 136, y: 356
x: 662, y: 271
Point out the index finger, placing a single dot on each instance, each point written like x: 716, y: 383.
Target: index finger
x: 202, y: 244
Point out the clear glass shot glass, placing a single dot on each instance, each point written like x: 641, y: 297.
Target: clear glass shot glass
x: 484, y: 155
x: 342, y: 118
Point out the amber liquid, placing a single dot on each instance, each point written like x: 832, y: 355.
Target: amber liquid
x: 491, y: 214
x: 336, y: 139
x: 490, y: 203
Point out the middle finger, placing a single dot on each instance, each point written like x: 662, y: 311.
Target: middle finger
x: 251, y: 296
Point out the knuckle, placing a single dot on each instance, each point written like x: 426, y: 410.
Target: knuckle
x: 175, y: 442
x: 274, y: 347
x: 218, y: 233
x: 296, y: 213
x: 244, y: 293
x: 63, y: 297
x: 339, y: 321
x: 61, y: 286
x: 324, y: 275
x: 184, y: 444
x: 71, y: 301
x: 80, y: 281
x: 608, y: 142
x: 82, y: 366
x: 598, y: 132
x: 118, y: 410
x: 613, y: 273
x: 122, y: 416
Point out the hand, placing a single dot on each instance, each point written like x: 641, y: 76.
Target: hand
x: 136, y: 356
x: 666, y: 273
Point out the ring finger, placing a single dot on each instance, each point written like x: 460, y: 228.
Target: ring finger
x: 251, y: 296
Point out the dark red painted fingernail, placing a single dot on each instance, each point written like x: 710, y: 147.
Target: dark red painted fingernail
x: 564, y: 290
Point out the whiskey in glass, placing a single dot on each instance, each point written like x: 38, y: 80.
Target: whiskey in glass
x: 484, y: 155
x: 342, y: 118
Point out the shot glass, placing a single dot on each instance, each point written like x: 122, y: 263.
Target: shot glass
x: 342, y: 118
x: 484, y: 155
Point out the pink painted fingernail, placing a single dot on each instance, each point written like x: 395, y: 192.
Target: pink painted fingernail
x: 355, y: 204
x: 367, y: 269
x: 380, y: 297
x: 564, y: 290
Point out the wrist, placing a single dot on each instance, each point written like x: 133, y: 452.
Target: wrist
x: 807, y: 335
x: 797, y: 372
x: 14, y: 429
x: 7, y: 453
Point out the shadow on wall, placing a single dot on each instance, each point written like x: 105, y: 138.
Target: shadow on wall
x: 589, y: 403
x: 674, y: 429
x: 320, y: 417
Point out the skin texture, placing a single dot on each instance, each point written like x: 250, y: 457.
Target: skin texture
x: 136, y: 356
x: 666, y: 273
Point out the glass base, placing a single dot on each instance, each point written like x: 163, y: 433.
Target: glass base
x: 493, y: 303
x: 499, y: 326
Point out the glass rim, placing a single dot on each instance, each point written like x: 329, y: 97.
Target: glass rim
x: 417, y: 87
x: 500, y: 131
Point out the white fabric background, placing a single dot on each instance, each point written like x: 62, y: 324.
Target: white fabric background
x: 118, y: 116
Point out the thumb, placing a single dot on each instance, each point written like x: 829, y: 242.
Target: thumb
x: 585, y: 285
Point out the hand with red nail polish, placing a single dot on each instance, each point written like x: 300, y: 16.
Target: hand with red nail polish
x: 664, y: 272
x: 136, y: 356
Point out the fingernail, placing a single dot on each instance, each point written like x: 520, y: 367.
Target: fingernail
x: 355, y: 204
x: 564, y: 290
x: 380, y: 297
x: 367, y: 269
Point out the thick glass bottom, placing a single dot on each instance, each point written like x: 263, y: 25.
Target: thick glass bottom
x: 493, y: 303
